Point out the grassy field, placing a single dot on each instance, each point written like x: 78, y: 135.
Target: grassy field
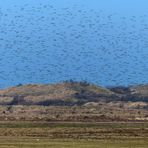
x: 48, y: 143
x: 73, y: 135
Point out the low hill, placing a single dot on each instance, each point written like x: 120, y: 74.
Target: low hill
x: 132, y: 93
x: 66, y: 93
x: 70, y: 93
x: 74, y: 101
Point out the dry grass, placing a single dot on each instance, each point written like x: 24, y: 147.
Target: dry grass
x: 80, y: 135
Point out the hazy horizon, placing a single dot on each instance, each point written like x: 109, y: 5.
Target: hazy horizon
x: 102, y: 42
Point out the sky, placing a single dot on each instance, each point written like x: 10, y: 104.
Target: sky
x: 47, y: 41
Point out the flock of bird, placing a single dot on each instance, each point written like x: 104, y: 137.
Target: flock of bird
x: 45, y: 44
